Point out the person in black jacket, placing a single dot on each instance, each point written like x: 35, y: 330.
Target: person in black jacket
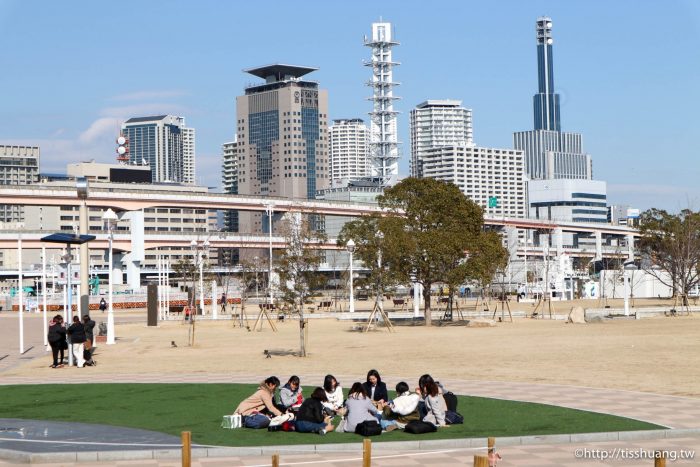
x: 89, y: 326
x: 57, y: 339
x: 311, y: 418
x: 76, y: 331
x: 375, y: 388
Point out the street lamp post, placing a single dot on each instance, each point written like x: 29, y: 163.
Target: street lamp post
x: 110, y: 220
x: 269, y: 210
x: 198, y: 249
x: 255, y: 265
x: 351, y: 249
x: 380, y: 292
x: 21, y: 293
x: 627, y: 267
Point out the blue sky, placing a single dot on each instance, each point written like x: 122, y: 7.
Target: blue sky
x: 628, y: 72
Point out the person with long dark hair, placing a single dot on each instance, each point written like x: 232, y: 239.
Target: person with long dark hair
x: 290, y: 394
x: 359, y: 408
x: 334, y: 393
x: 311, y: 418
x: 435, y: 406
x: 375, y: 388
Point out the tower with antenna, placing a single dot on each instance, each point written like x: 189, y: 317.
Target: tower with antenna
x: 122, y: 149
x: 383, y: 143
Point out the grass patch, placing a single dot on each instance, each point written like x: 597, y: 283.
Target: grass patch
x: 172, y: 408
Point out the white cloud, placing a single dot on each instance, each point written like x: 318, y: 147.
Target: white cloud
x: 100, y: 128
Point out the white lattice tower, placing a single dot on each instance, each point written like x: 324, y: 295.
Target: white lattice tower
x: 384, y: 145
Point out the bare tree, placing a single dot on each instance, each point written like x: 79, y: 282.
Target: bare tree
x: 297, y: 266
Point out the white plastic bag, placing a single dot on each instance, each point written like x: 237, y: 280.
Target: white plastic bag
x: 232, y: 421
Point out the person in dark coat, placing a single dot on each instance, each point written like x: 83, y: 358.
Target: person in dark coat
x: 375, y: 388
x: 57, y: 339
x: 223, y: 302
x: 103, y: 305
x: 89, y: 326
x: 76, y: 331
x: 311, y: 417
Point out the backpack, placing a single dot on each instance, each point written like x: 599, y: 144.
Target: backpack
x: 418, y: 427
x: 368, y: 428
x: 453, y: 418
x: 450, y: 401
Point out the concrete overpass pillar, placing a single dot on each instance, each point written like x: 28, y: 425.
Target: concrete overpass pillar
x: 598, y: 245
x: 630, y: 247
x: 136, y: 257
x: 559, y: 241
x: 512, y: 242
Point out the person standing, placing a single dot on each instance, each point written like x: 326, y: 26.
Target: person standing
x: 76, y: 331
x: 89, y: 326
x: 223, y: 302
x: 57, y: 339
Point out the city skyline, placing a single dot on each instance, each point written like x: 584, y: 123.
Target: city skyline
x: 619, y: 81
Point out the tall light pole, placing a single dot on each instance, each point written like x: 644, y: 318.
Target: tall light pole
x: 351, y: 249
x: 82, y: 187
x: 380, y: 291
x: 269, y: 210
x: 110, y: 220
x: 255, y: 264
x: 21, y: 291
x: 627, y: 267
x: 198, y: 250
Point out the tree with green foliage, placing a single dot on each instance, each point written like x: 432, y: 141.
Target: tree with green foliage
x: 297, y: 266
x: 670, y: 248
x: 432, y: 233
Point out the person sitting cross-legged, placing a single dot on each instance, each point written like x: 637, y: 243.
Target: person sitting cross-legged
x: 401, y: 410
x: 256, y: 408
x: 311, y: 417
x: 359, y: 408
x: 290, y: 395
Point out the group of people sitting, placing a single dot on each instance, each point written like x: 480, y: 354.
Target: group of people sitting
x: 366, y: 402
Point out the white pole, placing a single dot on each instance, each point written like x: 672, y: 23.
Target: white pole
x: 269, y: 276
x: 416, y: 299
x: 167, y: 288
x: 626, y: 292
x: 69, y: 305
x: 110, y: 309
x: 214, y: 309
x: 21, y: 294
x: 352, y: 292
x: 201, y: 282
x: 160, y: 288
x: 43, y: 294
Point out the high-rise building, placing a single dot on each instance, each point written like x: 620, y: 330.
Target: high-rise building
x: 162, y: 143
x: 436, y: 123
x: 188, y: 156
x: 282, y: 129
x: 492, y: 178
x: 19, y: 165
x: 568, y: 200
x: 349, y: 151
x: 230, y: 182
x: 384, y: 143
x: 546, y: 101
x: 550, y: 152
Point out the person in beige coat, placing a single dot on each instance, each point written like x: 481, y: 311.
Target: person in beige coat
x: 255, y: 409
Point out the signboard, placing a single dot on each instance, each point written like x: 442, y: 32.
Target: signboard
x: 632, y: 213
x: 493, y: 201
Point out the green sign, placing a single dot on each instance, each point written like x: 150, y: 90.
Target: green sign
x: 493, y: 201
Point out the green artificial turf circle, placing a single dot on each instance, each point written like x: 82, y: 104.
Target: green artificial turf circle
x: 173, y: 408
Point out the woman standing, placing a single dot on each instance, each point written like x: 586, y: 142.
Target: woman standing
x: 57, y: 339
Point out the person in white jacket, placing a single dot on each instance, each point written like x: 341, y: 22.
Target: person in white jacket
x: 401, y: 410
x: 334, y: 393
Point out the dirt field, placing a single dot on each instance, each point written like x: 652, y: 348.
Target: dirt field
x: 660, y: 355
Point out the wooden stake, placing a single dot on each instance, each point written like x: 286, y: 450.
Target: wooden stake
x: 481, y: 461
x: 367, y: 453
x: 659, y: 459
x: 491, y: 443
x: 186, y: 449
x: 275, y: 460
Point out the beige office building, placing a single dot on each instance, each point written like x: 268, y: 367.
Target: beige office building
x: 282, y: 134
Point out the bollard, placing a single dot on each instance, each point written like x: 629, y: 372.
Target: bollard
x: 186, y: 449
x: 366, y: 452
x: 659, y: 459
x: 275, y: 460
x: 481, y: 461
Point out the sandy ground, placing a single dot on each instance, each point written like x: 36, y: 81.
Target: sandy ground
x: 660, y: 355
